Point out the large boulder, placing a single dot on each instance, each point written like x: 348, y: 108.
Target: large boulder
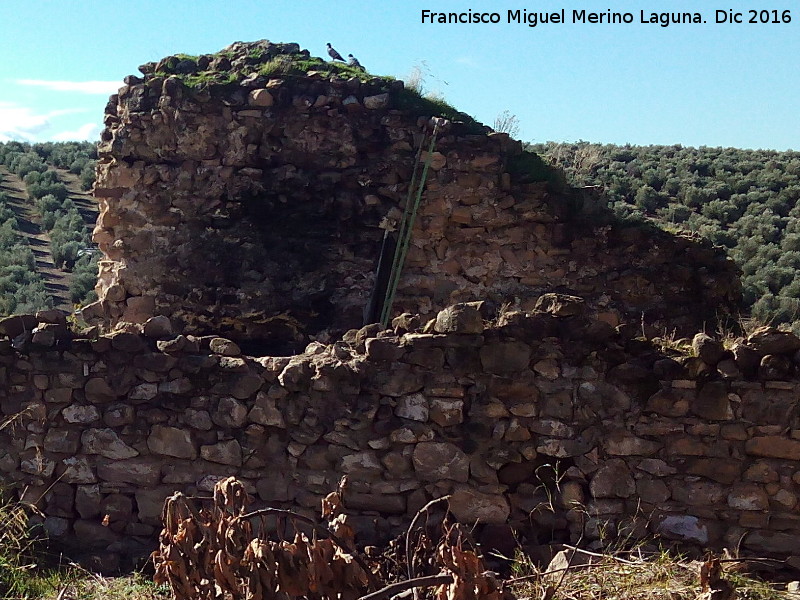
x: 768, y: 340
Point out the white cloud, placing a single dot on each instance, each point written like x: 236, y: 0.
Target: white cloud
x: 25, y: 124
x: 468, y: 61
x: 84, y: 87
x: 21, y: 123
x: 89, y: 132
x: 65, y: 111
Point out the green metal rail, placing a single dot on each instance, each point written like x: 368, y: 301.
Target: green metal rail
x: 407, y: 224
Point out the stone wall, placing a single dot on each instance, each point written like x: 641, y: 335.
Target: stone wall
x: 704, y: 449
x: 256, y: 209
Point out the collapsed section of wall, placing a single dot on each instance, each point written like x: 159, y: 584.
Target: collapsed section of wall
x: 247, y: 194
x: 549, y: 420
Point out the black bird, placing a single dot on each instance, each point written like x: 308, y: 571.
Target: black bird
x: 334, y: 54
x: 353, y: 62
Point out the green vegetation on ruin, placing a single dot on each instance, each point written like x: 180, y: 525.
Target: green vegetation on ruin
x: 287, y: 64
x: 419, y: 104
x: 206, y: 79
x: 257, y: 60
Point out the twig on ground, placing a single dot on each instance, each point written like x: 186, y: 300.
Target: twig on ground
x: 395, y: 588
x: 598, y: 555
x: 523, y: 578
x: 409, y: 561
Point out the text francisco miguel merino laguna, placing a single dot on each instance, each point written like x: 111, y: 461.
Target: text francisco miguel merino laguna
x: 664, y: 19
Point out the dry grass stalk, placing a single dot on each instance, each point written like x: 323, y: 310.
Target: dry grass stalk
x: 213, y: 552
x: 631, y: 576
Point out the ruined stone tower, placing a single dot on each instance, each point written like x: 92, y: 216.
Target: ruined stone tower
x: 246, y: 194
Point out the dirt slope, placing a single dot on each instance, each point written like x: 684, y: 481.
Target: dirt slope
x: 86, y: 204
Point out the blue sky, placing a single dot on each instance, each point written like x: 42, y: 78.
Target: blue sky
x: 692, y: 84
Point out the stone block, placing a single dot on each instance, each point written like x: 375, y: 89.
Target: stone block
x: 769, y: 340
x: 748, y: 496
x: 224, y: 347
x: 376, y: 102
x: 244, y: 386
x: 261, y: 98
x: 382, y: 503
x: 150, y: 504
x: 158, y: 327
x: 384, y: 349
x: 227, y: 453
x: 230, y: 413
x: 363, y: 463
x: 106, y: 443
x: 721, y: 470
x: 266, y: 412
x: 652, y: 491
x: 65, y: 441
x: 414, y: 407
x: 118, y: 415
x: 77, y: 470
x: 622, y: 443
x: 505, y: 357
x: 140, y: 471
x: 171, y: 441
x: 77, y: 413
x: 93, y: 534
x: 773, y: 446
x: 459, y: 318
x: 277, y: 488
x: 469, y: 505
x: 712, y: 402
x: 59, y: 395
x: 708, y: 349
x: 154, y: 361
x: 440, y: 460
x: 683, y: 527
x: 179, y: 386
x: 446, y: 412
x: 98, y: 391
x: 561, y: 448
x: 764, y: 542
x: 612, y: 480
x: 127, y: 342
x: 560, y: 305
x: 698, y: 493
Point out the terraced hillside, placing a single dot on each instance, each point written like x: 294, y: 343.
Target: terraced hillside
x: 55, y: 226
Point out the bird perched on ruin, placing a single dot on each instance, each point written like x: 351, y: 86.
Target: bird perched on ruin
x: 353, y: 62
x: 333, y: 53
